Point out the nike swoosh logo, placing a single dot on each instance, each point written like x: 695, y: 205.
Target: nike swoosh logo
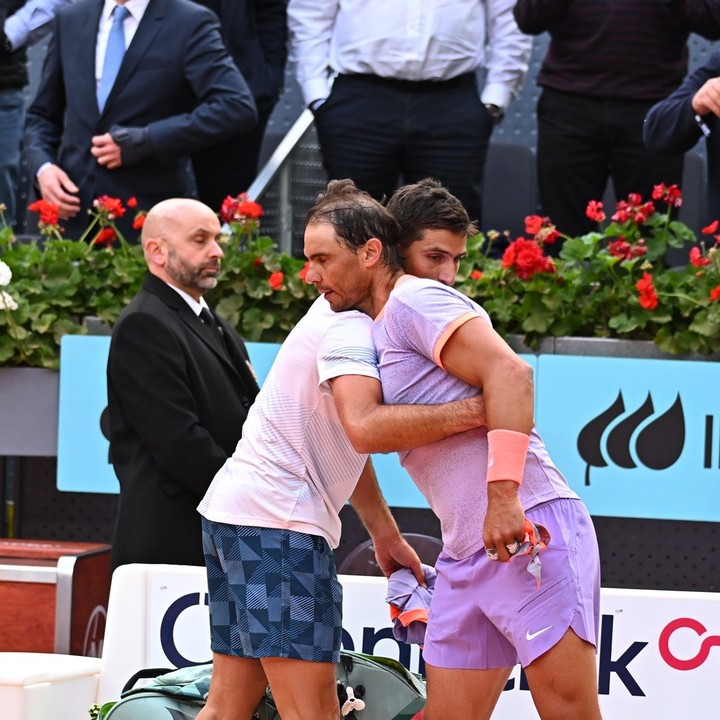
x: 532, y: 636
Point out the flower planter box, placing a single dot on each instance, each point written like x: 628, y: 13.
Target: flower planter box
x: 29, y: 417
x: 602, y: 347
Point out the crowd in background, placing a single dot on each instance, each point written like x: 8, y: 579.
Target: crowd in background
x: 395, y: 98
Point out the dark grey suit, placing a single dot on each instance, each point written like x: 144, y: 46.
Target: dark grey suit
x: 670, y: 126
x: 255, y: 33
x: 177, y: 91
x: 177, y: 400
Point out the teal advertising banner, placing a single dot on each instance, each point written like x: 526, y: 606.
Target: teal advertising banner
x: 83, y: 464
x: 634, y: 437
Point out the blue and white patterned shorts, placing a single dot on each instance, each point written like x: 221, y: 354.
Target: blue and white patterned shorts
x: 273, y: 593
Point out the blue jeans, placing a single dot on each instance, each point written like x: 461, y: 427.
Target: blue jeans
x: 12, y: 116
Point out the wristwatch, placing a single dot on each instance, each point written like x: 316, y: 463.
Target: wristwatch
x: 496, y: 112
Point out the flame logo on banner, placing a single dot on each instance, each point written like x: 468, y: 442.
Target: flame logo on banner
x: 657, y: 446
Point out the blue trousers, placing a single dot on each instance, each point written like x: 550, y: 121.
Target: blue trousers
x: 12, y: 117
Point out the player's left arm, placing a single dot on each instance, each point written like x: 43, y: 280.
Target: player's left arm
x: 475, y: 353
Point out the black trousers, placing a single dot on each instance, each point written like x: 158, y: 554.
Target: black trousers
x: 583, y: 141
x: 229, y: 167
x: 380, y: 132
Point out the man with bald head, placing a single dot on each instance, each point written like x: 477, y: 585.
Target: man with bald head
x: 179, y: 388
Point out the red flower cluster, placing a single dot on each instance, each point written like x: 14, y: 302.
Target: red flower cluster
x: 711, y: 229
x: 110, y: 205
x: 542, y: 228
x: 594, y: 211
x: 648, y: 295
x: 670, y: 195
x: 633, y: 209
x: 303, y: 273
x: 622, y: 249
x: 276, y: 280
x: 139, y: 220
x: 697, y: 259
x: 715, y: 294
x: 49, y: 213
x: 240, y: 208
x: 476, y: 275
x: 107, y: 236
x: 526, y: 258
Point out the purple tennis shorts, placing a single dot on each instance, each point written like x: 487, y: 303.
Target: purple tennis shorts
x: 485, y: 614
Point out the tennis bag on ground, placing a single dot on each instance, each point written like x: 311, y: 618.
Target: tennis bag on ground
x: 369, y: 688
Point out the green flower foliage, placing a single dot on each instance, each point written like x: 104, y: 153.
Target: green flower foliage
x: 261, y: 291
x: 607, y: 284
x: 56, y: 283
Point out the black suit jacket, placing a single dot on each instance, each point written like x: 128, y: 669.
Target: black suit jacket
x: 670, y: 126
x: 177, y: 90
x: 255, y: 33
x: 177, y: 401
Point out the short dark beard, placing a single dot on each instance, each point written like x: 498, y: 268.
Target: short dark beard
x: 187, y: 276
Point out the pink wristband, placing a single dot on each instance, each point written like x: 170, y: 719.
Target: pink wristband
x: 507, y: 451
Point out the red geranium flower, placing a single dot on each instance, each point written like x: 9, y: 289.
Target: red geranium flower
x: 132, y: 202
x: 696, y: 257
x: 715, y: 294
x: 670, y: 195
x: 227, y: 209
x: 49, y: 213
x: 646, y: 289
x: 237, y: 209
x: 620, y: 248
x: 533, y: 224
x: 526, y: 258
x: 542, y: 228
x: 303, y: 273
x: 594, y: 211
x: 112, y: 206
x: 139, y: 221
x: 633, y: 209
x: 276, y: 280
x: 250, y: 209
x: 476, y: 275
x: 107, y: 236
x: 711, y: 228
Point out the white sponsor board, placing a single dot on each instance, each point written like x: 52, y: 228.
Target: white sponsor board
x: 659, y: 651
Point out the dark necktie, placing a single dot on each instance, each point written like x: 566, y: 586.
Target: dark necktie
x: 236, y: 359
x: 113, y: 54
x: 209, y: 319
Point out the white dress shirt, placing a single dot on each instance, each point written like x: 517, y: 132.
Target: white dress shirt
x: 136, y: 8
x: 408, y: 40
x: 31, y: 22
x: 195, y: 305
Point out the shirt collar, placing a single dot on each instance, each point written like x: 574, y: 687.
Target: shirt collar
x: 195, y: 306
x: 136, y: 7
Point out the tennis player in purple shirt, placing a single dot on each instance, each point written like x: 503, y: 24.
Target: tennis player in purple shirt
x: 497, y: 600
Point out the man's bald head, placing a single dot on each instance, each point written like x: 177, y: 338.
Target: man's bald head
x: 165, y: 217
x: 180, y: 241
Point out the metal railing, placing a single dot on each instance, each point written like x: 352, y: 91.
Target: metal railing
x: 288, y: 183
